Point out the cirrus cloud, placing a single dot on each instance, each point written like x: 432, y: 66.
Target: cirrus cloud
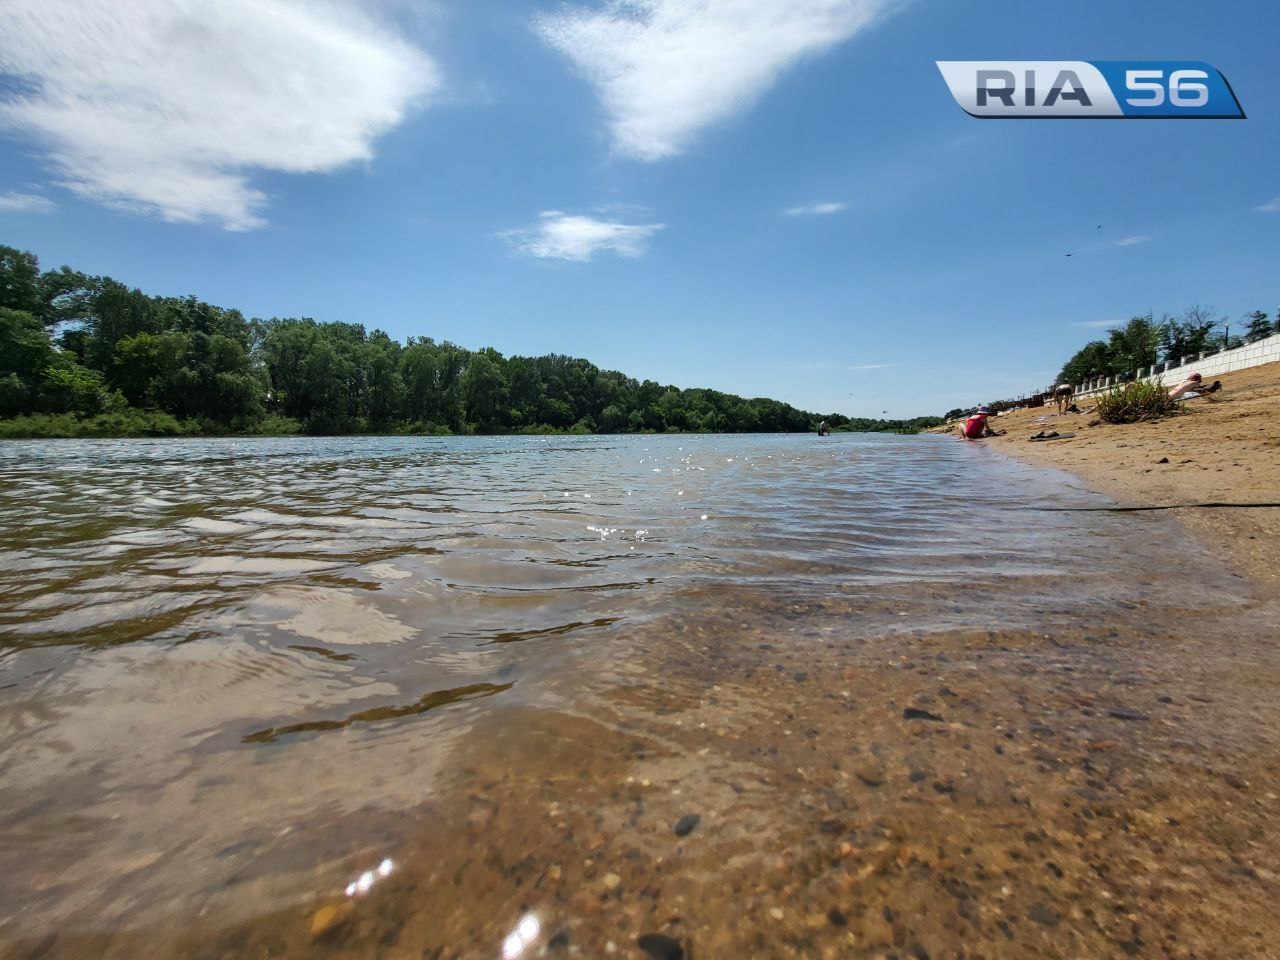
x: 565, y: 236
x: 168, y: 107
x: 823, y: 209
x: 666, y: 69
x: 25, y: 203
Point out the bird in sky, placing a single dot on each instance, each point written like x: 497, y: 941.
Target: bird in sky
x: 1069, y: 254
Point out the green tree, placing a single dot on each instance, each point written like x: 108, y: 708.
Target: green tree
x: 1092, y: 360
x: 1132, y: 346
x: 67, y: 387
x: 386, y: 387
x: 19, y: 280
x: 25, y: 353
x: 484, y: 389
x: 1258, y: 327
x: 1190, y: 335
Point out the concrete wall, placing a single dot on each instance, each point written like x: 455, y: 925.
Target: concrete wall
x: 1208, y: 365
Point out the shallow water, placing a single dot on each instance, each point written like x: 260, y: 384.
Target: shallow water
x: 238, y: 675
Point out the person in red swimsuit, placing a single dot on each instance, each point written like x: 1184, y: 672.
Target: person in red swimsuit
x: 976, y: 427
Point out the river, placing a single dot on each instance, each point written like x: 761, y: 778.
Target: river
x: 452, y: 696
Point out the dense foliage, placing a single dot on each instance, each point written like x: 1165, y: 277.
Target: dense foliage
x: 1143, y: 342
x: 87, y: 356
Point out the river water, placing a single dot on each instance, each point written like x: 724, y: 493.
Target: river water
x: 449, y: 697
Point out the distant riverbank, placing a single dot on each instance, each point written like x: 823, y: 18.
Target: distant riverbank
x: 135, y: 424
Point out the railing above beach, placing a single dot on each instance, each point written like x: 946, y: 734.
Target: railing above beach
x: 1207, y: 364
x: 1167, y: 373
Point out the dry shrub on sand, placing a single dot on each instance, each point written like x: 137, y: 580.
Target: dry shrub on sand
x: 1134, y: 402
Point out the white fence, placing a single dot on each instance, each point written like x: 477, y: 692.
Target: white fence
x: 1206, y: 364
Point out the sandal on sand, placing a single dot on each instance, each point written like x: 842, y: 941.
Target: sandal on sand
x: 1054, y: 435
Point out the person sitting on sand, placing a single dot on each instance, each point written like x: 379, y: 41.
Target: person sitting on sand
x: 1062, y: 394
x: 976, y: 427
x: 1193, y: 386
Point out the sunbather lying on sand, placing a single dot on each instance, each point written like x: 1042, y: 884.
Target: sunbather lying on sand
x: 1193, y: 386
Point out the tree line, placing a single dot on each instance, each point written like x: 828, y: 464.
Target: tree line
x: 1144, y: 341
x: 85, y: 355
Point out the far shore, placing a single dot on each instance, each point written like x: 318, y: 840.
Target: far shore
x: 1223, y: 448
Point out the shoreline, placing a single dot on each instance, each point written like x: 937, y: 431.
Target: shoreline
x: 1065, y: 768
x: 1224, y: 448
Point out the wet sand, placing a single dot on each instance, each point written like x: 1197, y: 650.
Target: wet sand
x: 994, y: 793
x: 1224, y: 447
x: 790, y: 775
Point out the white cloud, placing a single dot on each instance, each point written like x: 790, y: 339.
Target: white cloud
x: 1271, y: 206
x: 666, y: 69
x: 873, y: 366
x: 565, y: 236
x: 814, y: 209
x: 167, y: 107
x: 1098, y: 324
x: 1130, y: 241
x: 25, y: 203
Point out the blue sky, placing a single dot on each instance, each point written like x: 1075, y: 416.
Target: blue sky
x: 769, y: 198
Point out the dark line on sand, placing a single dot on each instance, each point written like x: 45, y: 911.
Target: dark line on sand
x: 1171, y: 506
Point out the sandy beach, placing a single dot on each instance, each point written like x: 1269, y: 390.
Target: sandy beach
x: 1222, y: 448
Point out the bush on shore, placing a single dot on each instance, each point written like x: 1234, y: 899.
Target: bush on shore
x: 1134, y: 402
x: 120, y: 423
x: 275, y: 425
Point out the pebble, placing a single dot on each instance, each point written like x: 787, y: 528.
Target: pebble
x: 914, y: 713
x: 611, y: 881
x: 560, y: 941
x: 871, y: 774
x: 1043, y: 915
x: 329, y: 918
x: 660, y: 947
x: 776, y: 913
x: 1122, y: 713
x: 684, y: 826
